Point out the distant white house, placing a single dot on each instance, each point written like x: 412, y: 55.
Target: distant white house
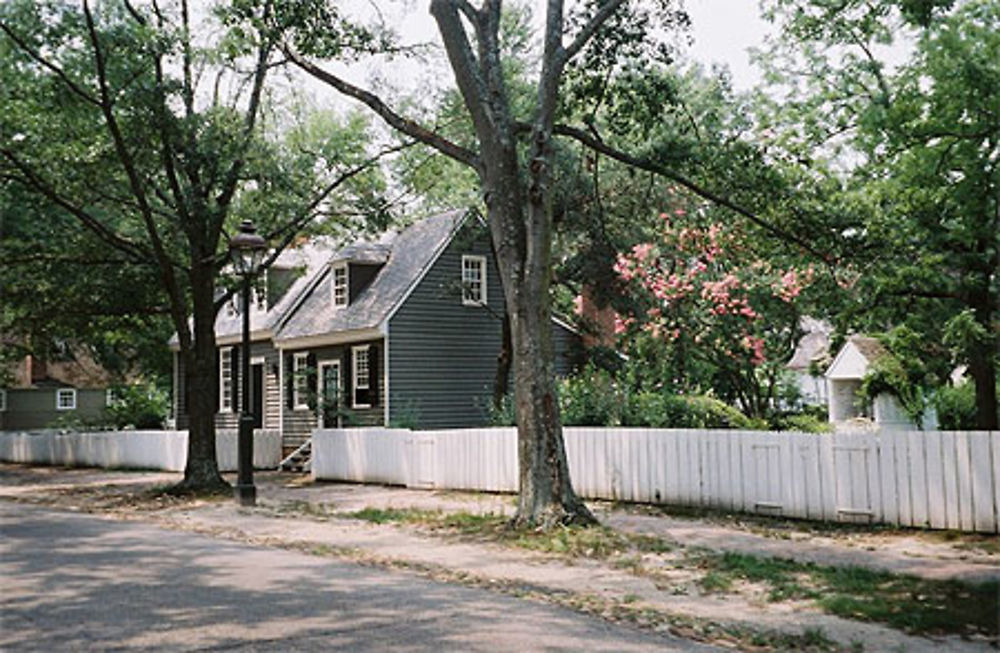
x: 811, y: 348
x: 844, y: 377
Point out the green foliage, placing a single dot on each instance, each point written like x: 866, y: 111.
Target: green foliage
x: 904, y: 373
x: 906, y: 602
x: 956, y: 407
x: 908, y: 153
x: 595, y: 398
x: 808, y: 419
x: 138, y: 406
x: 502, y: 415
x: 591, y: 398
x: 682, y: 411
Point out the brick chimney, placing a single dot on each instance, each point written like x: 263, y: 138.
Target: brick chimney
x: 37, y: 369
x: 598, y: 321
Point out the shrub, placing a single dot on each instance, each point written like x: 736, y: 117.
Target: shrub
x: 140, y: 406
x: 807, y: 419
x: 682, y: 412
x: 956, y: 407
x: 591, y: 398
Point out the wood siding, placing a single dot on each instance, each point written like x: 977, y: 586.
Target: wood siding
x: 230, y: 419
x: 443, y: 354
x: 301, y: 422
x: 35, y: 408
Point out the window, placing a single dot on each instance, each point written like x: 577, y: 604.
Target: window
x: 3, y: 400
x: 340, y: 289
x: 113, y: 397
x: 300, y: 372
x: 473, y: 280
x: 66, y: 399
x: 226, y: 403
x: 362, y: 376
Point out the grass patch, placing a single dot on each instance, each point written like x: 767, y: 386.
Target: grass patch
x: 598, y: 542
x: 915, y: 605
x: 911, y: 604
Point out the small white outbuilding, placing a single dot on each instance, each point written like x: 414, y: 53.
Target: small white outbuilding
x: 844, y: 377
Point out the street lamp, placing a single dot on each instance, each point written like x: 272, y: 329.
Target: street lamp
x: 246, y: 249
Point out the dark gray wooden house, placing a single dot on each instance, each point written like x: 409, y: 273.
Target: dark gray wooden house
x: 403, y: 330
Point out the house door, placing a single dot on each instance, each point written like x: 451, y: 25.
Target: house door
x: 257, y: 394
x: 329, y: 392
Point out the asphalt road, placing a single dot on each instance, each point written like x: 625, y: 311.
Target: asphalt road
x: 79, y: 582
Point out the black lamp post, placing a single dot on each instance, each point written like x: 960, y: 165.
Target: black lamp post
x: 247, y: 252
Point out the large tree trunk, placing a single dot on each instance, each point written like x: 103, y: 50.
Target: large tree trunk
x: 982, y: 356
x: 201, y: 375
x: 983, y: 371
x: 521, y: 241
x: 546, y: 493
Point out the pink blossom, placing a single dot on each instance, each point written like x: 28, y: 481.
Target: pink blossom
x: 641, y: 251
x: 680, y: 213
x: 789, y: 287
x: 620, y: 326
x: 578, y: 305
x: 624, y: 268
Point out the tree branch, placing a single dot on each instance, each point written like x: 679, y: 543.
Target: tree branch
x: 651, y: 166
x: 584, y: 35
x: 390, y: 117
x: 31, y: 179
x: 60, y: 73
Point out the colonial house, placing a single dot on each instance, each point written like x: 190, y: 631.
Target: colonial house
x: 404, y: 329
x: 844, y: 378
x: 43, y: 392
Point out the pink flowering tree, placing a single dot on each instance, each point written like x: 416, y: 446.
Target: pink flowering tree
x: 711, y: 314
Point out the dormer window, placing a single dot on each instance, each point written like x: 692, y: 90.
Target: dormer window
x: 473, y: 280
x: 340, y: 287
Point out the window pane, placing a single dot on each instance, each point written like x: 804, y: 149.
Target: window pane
x: 340, y: 286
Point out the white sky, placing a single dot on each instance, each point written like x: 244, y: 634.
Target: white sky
x: 722, y: 31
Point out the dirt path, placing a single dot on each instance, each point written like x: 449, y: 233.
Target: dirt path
x: 652, y: 589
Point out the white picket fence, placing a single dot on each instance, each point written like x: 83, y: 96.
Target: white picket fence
x: 945, y: 480
x: 166, y: 450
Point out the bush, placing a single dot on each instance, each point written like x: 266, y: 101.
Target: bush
x: 956, y: 407
x: 140, y: 406
x: 682, y: 412
x: 807, y: 419
x: 591, y: 398
x: 595, y: 398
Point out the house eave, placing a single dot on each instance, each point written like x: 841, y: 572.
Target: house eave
x: 261, y: 335
x: 334, y: 338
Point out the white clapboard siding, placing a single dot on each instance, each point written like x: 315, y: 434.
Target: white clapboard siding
x: 947, y: 480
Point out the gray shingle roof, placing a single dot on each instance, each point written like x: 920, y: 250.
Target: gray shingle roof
x: 407, y: 255
x: 310, y: 258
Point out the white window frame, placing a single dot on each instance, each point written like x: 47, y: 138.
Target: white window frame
x: 111, y: 397
x: 227, y: 392
x: 3, y: 400
x: 300, y: 381
x: 71, y: 394
x: 468, y: 261
x: 340, y: 289
x: 356, y: 373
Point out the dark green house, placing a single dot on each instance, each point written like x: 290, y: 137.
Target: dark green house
x: 403, y: 330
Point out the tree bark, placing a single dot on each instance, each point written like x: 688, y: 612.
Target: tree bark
x: 201, y: 471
